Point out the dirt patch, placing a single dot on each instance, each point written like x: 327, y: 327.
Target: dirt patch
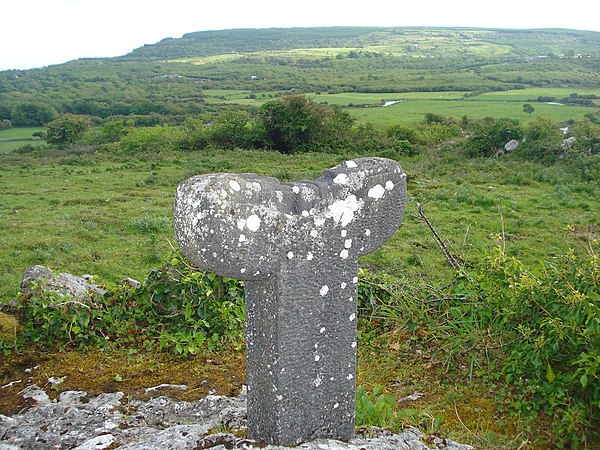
x: 109, y: 371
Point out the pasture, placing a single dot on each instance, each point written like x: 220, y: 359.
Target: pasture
x: 13, y: 138
x: 412, y: 106
x: 111, y: 214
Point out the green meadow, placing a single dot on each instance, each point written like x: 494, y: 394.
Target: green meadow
x: 412, y: 106
x: 111, y: 214
x: 14, y: 138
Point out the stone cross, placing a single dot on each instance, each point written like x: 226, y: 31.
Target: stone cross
x: 296, y: 245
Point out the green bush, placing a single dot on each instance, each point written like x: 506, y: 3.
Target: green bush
x: 67, y: 129
x: 296, y: 123
x: 152, y: 139
x: 489, y: 135
x: 543, y: 141
x: 177, y: 308
x: 375, y: 409
x: 534, y: 334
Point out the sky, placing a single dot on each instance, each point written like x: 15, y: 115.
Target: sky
x: 37, y: 33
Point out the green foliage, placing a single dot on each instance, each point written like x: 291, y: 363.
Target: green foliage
x: 542, y: 141
x: 234, y: 129
x: 527, y: 108
x: 587, y: 134
x: 553, y: 318
x: 31, y: 114
x: 152, y: 139
x: 177, y: 309
x: 537, y: 331
x: 296, y: 123
x: 67, y: 129
x: 489, y: 135
x: 113, y: 130
x: 375, y: 409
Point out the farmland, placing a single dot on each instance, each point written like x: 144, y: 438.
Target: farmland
x: 15, y: 138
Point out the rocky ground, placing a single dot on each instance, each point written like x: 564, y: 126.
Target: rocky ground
x: 110, y: 421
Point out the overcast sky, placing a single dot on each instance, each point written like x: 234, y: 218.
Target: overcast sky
x: 35, y: 33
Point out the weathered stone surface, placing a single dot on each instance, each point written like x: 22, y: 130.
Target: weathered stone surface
x: 79, y: 289
x: 568, y: 142
x: 511, y: 145
x: 297, y: 246
x: 108, y: 421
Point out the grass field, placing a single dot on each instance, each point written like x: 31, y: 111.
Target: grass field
x: 413, y: 106
x: 111, y: 215
x: 14, y: 138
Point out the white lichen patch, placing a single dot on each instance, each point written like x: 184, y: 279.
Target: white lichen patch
x: 348, y: 243
x: 341, y: 178
x: 349, y: 377
x: 343, y: 285
x: 351, y: 164
x: 318, y: 381
x: 342, y: 211
x: 352, y: 317
x: 241, y: 223
x: 290, y: 255
x: 336, y: 406
x: 354, y: 344
x: 354, y: 280
x: 367, y: 232
x: 344, y: 254
x: 319, y: 220
x: 376, y: 192
x: 242, y: 238
x: 344, y: 233
x: 322, y: 330
x: 296, y: 190
x: 317, y: 358
x: 324, y: 290
x: 309, y: 256
x: 234, y: 185
x: 314, y: 233
x: 253, y: 222
x: 389, y: 185
x: 305, y: 213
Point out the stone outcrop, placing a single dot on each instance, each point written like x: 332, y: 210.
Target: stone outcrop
x: 76, y: 421
x: 78, y: 289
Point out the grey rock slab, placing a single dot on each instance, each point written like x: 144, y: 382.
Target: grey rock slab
x: 78, y: 289
x: 297, y: 246
x: 164, y: 423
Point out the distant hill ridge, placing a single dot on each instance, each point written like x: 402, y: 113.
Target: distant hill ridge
x: 207, y: 43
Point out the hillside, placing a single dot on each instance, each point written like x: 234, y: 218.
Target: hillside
x: 440, y: 42
x: 171, y: 78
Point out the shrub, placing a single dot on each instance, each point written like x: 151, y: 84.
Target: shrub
x: 296, y: 123
x: 67, y: 129
x: 177, y: 308
x: 533, y: 333
x: 153, y: 139
x: 587, y: 134
x: 542, y: 141
x: 489, y: 135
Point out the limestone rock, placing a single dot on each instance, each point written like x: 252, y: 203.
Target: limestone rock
x: 511, y: 145
x: 79, y: 289
x: 108, y: 421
